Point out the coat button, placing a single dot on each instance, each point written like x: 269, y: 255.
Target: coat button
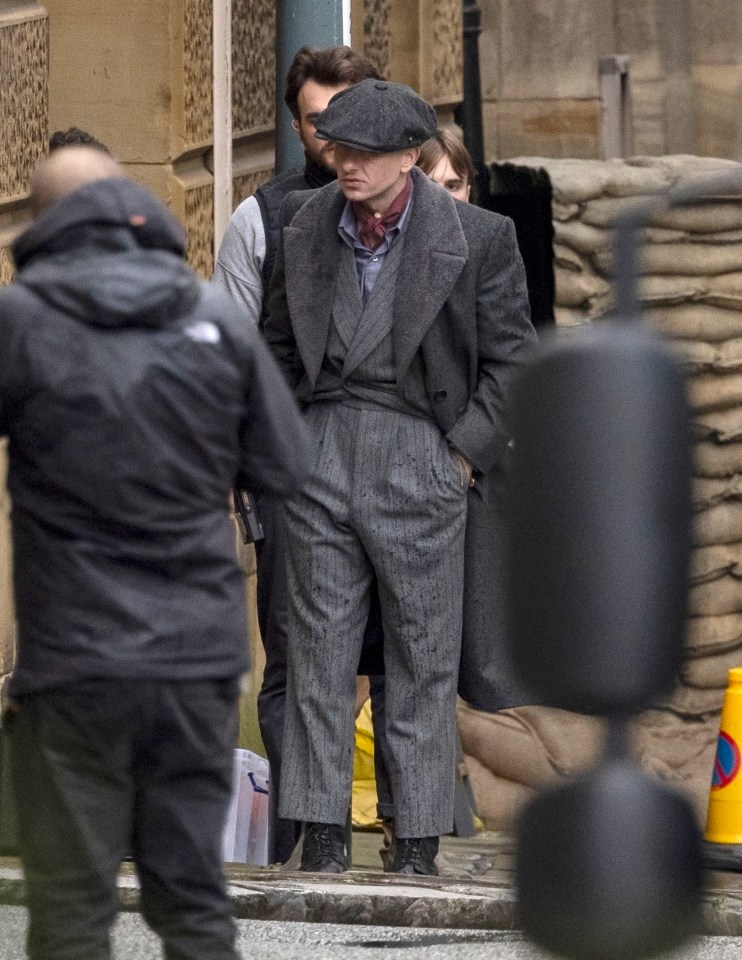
x: 440, y: 395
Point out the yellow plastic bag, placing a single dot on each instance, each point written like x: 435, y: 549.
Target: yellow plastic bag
x: 364, y: 779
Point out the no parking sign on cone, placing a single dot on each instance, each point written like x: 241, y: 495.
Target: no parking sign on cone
x: 723, y: 834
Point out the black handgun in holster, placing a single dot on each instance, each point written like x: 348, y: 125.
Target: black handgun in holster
x: 247, y: 515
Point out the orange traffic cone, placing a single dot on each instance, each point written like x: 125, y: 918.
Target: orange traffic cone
x: 723, y: 836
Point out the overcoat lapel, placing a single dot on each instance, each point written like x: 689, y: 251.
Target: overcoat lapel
x: 376, y: 322
x: 348, y: 295
x: 312, y: 256
x: 435, y: 253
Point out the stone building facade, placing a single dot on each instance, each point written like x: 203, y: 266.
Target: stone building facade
x: 138, y: 76
x: 540, y: 75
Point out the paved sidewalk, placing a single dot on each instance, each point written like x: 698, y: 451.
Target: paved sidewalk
x: 475, y: 891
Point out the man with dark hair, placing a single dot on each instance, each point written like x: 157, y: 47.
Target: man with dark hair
x: 245, y: 261
x: 132, y: 395
x: 243, y: 269
x: 75, y: 137
x: 400, y: 317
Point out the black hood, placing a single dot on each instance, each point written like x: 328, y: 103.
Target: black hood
x: 109, y: 253
x: 113, y: 202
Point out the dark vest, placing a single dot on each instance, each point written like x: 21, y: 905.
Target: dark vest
x: 270, y: 197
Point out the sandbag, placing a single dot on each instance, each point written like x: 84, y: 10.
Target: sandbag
x: 568, y: 259
x: 660, y: 235
x: 709, y: 491
x: 572, y: 317
x: 695, y: 321
x: 679, y: 752
x: 678, y: 258
x: 505, y: 746
x: 658, y: 289
x: 691, y: 702
x: 708, y: 217
x: 701, y: 357
x: 578, y: 289
x: 720, y: 524
x: 671, y: 746
x: 715, y: 391
x: 582, y: 238
x: 723, y: 290
x: 711, y: 673
x: 710, y: 563
x: 576, y: 180
x: 530, y: 744
x: 717, y: 460
x: 708, y: 636
x: 725, y: 236
x: 723, y: 426
x: 565, y: 211
x: 716, y: 597
x: 713, y: 217
x: 498, y: 800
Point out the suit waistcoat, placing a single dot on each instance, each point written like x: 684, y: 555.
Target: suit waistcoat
x: 359, y: 357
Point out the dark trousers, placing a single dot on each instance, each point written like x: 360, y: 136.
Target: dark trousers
x: 272, y: 608
x: 104, y: 768
x: 270, y: 554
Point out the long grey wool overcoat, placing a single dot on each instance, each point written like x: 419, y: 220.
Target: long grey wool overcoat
x: 461, y: 305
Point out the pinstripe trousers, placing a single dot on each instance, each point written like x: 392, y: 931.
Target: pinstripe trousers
x: 387, y: 498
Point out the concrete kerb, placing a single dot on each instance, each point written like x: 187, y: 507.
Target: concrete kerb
x: 378, y: 900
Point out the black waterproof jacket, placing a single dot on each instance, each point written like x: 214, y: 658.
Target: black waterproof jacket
x: 132, y: 394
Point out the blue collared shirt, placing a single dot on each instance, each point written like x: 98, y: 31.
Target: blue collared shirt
x: 369, y: 262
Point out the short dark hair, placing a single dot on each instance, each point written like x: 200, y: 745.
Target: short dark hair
x: 444, y: 143
x: 75, y: 137
x: 330, y: 67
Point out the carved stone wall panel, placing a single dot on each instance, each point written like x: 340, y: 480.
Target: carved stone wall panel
x: 6, y: 266
x: 199, y: 224
x: 192, y: 201
x: 446, y: 81
x: 197, y: 50
x: 246, y: 184
x: 377, y: 33
x: 253, y: 65
x: 24, y: 63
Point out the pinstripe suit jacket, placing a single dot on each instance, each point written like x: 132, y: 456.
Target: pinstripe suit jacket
x: 462, y: 306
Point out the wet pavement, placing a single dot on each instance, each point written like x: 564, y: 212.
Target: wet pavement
x: 275, y: 940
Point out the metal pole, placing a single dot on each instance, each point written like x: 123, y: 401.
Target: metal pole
x: 470, y: 113
x: 615, y: 101
x: 222, y: 111
x: 300, y: 23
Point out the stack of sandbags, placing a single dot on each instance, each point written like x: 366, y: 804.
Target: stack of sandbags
x: 691, y: 291
x: 511, y: 754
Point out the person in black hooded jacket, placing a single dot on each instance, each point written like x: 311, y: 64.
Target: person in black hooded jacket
x: 132, y: 396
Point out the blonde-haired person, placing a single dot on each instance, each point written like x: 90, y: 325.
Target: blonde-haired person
x: 447, y: 162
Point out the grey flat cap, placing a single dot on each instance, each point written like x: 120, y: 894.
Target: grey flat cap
x: 377, y: 116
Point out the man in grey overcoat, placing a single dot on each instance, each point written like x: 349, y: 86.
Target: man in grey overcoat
x: 400, y: 317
